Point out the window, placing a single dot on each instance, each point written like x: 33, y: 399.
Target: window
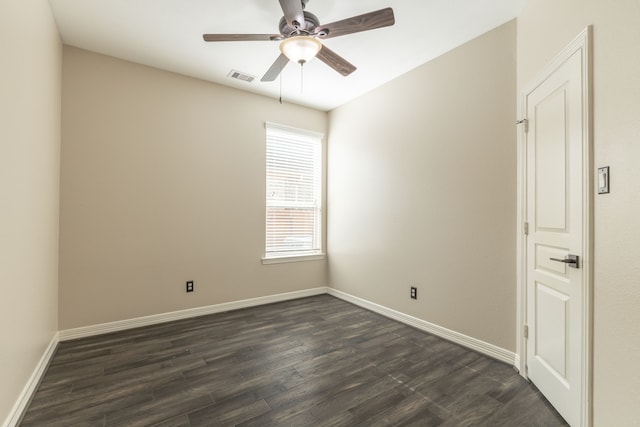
x: 294, y: 192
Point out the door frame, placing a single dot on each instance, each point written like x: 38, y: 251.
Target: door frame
x: 583, y: 43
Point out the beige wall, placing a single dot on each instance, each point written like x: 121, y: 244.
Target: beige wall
x: 30, y: 70
x: 422, y: 191
x: 163, y: 181
x: 544, y: 28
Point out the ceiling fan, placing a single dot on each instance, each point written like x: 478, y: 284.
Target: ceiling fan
x: 301, y: 34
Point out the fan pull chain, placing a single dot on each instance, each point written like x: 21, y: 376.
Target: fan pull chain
x: 280, y: 79
x: 302, y: 78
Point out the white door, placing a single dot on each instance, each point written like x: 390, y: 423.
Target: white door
x: 557, y: 147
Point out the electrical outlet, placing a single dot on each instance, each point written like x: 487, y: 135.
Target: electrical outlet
x: 190, y: 286
x: 414, y: 292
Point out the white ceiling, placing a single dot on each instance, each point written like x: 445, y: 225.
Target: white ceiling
x: 167, y: 34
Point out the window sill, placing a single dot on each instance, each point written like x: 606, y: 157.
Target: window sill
x: 293, y: 258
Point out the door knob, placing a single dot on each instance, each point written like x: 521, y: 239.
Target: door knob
x: 572, y: 261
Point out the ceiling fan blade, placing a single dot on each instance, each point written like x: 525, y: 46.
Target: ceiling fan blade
x: 335, y: 61
x: 240, y: 37
x: 274, y: 71
x: 355, y: 24
x: 293, y: 13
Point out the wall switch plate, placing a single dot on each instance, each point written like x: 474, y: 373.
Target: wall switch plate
x: 414, y: 292
x: 190, y: 286
x: 603, y: 180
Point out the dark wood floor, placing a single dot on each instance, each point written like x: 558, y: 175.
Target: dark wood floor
x: 315, y: 361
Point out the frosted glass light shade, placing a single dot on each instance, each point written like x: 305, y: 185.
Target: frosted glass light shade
x: 300, y: 49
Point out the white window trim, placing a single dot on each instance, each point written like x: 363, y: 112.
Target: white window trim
x: 285, y: 128
x: 282, y: 259
x: 312, y: 255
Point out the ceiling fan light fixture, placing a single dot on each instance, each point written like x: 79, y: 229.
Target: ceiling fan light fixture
x: 300, y: 49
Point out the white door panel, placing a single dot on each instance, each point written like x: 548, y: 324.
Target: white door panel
x: 551, y: 330
x: 544, y: 253
x: 551, y: 168
x: 555, y: 181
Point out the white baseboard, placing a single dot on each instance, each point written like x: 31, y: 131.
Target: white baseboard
x: 120, y: 325
x: 29, y: 389
x: 516, y: 364
x: 456, y: 337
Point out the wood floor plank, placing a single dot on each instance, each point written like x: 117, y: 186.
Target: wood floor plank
x: 230, y: 412
x: 158, y: 410
x: 79, y: 411
x: 316, y: 361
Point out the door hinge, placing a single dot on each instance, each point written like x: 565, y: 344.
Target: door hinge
x: 526, y: 228
x: 526, y: 331
x: 524, y: 122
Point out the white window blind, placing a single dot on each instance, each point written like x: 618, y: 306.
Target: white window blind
x: 294, y: 192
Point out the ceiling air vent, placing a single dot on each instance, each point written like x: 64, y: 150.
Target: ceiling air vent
x: 234, y: 74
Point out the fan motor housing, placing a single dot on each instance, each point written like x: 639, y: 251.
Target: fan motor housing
x: 311, y: 23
